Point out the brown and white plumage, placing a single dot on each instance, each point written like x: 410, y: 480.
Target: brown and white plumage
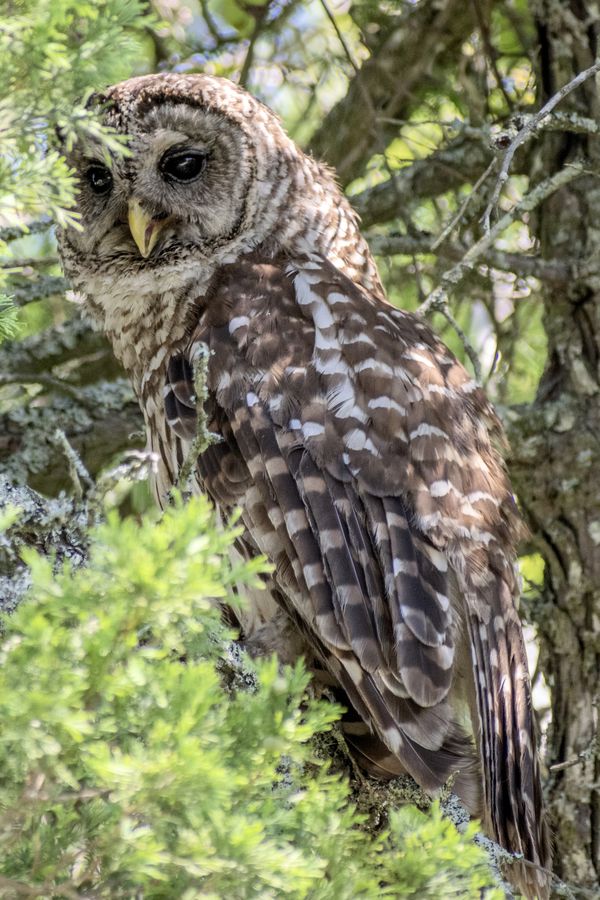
x: 357, y: 447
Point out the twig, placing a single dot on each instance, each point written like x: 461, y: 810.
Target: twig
x: 137, y: 465
x: 362, y: 87
x: 591, y: 752
x: 458, y: 163
x: 204, y: 438
x: 260, y: 16
x: 463, y: 207
x: 77, y: 471
x: 541, y: 192
x: 14, y: 232
x: 490, y: 52
x: 556, y: 271
x: 558, y: 121
x: 27, y: 262
x: 45, y: 286
x: 379, y: 142
x: 469, y: 348
x: 499, y: 856
x: 343, y: 42
x: 570, y: 121
x: 456, y: 124
x: 528, y: 130
x: 49, y: 381
x: 582, y: 757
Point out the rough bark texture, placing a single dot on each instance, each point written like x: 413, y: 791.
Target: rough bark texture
x: 87, y: 397
x: 556, y: 451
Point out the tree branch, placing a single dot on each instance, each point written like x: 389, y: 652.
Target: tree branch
x: 527, y: 132
x: 260, y: 18
x: 101, y: 424
x: 14, y: 232
x: 427, y: 35
x: 74, y: 344
x: 37, y: 289
x: 541, y: 192
x: 556, y: 271
x: 459, y: 163
x: 47, y: 381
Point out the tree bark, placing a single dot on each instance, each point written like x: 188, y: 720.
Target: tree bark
x: 556, y: 450
x: 407, y: 59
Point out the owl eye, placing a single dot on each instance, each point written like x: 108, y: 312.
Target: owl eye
x: 99, y: 178
x: 182, y: 165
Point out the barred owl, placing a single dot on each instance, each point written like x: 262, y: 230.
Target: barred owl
x: 358, y: 449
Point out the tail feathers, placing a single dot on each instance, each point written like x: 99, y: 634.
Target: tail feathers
x: 374, y: 757
x: 512, y: 786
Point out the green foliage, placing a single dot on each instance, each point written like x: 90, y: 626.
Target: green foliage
x: 54, y: 53
x: 435, y: 859
x: 8, y: 318
x: 130, y: 769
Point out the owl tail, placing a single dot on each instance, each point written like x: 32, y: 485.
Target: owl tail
x: 511, y: 778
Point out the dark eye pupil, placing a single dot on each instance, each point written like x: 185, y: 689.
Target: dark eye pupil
x: 185, y: 165
x: 99, y: 179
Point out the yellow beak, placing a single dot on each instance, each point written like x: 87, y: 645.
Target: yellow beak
x: 144, y: 230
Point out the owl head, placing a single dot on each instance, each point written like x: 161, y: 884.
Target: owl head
x: 207, y: 173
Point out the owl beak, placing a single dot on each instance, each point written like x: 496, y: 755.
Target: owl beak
x: 144, y: 229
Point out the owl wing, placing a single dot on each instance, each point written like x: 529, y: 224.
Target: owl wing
x: 372, y: 484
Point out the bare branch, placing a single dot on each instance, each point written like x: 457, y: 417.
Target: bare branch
x: 38, y: 289
x: 260, y: 18
x: 555, y: 271
x: 28, y: 262
x: 459, y: 163
x: 469, y: 348
x: 439, y: 297
x: 77, y: 471
x: 527, y: 132
x: 491, y: 54
x: 56, y: 384
x: 69, y: 344
x: 570, y: 122
x: 340, y: 36
x: 582, y: 757
x: 449, y: 228
x: 14, y: 232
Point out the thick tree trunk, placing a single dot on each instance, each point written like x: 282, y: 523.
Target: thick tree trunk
x: 556, y: 449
